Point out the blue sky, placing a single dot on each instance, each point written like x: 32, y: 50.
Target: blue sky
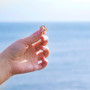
x: 44, y: 10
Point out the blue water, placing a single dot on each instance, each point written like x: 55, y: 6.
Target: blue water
x: 69, y: 60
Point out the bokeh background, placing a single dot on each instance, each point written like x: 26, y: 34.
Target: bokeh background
x: 68, y: 23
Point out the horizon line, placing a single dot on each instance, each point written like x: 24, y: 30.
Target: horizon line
x: 42, y: 21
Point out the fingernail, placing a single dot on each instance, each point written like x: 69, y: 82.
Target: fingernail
x: 43, y: 29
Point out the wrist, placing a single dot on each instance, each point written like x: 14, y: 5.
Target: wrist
x: 5, y: 69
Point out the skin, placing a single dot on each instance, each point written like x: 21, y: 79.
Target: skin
x: 23, y: 56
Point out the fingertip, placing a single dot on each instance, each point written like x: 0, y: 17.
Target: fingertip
x: 44, y: 38
x: 43, y: 29
x: 43, y: 64
x: 45, y: 50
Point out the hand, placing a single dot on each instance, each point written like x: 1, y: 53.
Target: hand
x: 23, y: 55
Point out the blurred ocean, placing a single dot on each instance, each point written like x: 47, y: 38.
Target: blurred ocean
x: 69, y: 60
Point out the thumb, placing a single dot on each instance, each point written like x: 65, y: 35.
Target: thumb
x: 35, y: 36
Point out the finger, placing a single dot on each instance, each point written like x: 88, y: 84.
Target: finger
x: 35, y: 36
x: 45, y: 50
x: 43, y: 64
x: 40, y: 56
x: 44, y: 53
x: 43, y: 42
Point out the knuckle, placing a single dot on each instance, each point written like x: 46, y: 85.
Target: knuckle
x: 44, y: 38
x: 46, y: 51
x: 44, y: 43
